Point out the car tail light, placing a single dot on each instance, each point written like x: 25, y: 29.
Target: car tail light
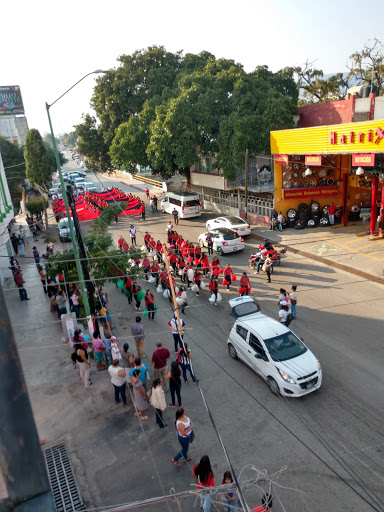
x: 182, y: 208
x: 249, y: 227
x: 225, y: 243
x: 242, y: 239
x: 235, y: 229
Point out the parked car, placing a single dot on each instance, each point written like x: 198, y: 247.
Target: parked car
x: 224, y: 240
x: 78, y: 181
x: 186, y: 203
x: 231, y: 222
x: 272, y: 350
x: 66, y: 177
x: 54, y: 190
x: 88, y: 185
x: 64, y: 232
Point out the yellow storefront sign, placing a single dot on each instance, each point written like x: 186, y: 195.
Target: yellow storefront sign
x: 366, y: 137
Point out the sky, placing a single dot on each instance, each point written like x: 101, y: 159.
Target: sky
x: 47, y: 46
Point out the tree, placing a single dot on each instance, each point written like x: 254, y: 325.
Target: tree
x: 38, y: 169
x: 14, y: 166
x: 367, y: 66
x: 70, y: 140
x: 91, y: 144
x: 36, y: 205
x: 52, y: 158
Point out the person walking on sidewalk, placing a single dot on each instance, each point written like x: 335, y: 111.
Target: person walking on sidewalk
x: 60, y: 301
x: 174, y: 377
x: 284, y: 314
x: 21, y: 247
x: 227, y: 275
x: 293, y: 300
x: 99, y: 350
x: 119, y: 381
x: 36, y: 256
x: 280, y: 221
x: 184, y: 359
x: 209, y: 240
x: 137, y: 331
x: 185, y: 436
x: 159, y: 360
x: 43, y: 278
x: 142, y: 210
x: 147, y: 193
x: 214, y: 287
x: 140, y: 397
x: 175, y: 214
x: 81, y: 357
x: 150, y: 303
x: 132, y: 233
x: 18, y: 277
x: 158, y: 401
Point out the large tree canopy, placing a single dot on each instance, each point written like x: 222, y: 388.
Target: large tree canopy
x: 157, y: 108
x: 14, y: 165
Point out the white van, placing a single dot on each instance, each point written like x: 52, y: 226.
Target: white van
x: 186, y: 203
x: 64, y: 231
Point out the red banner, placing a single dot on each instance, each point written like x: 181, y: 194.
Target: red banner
x: 313, y: 160
x: 363, y: 160
x: 311, y: 192
x: 281, y: 159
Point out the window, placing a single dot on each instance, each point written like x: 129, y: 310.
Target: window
x: 285, y: 346
x: 255, y: 344
x: 231, y: 236
x: 242, y: 332
x: 174, y: 201
x: 192, y: 202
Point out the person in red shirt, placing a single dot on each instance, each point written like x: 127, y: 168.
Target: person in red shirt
x: 18, y: 277
x: 159, y: 248
x: 145, y: 265
x: 205, y: 263
x: 245, y: 285
x: 120, y: 242
x: 125, y: 246
x: 215, y: 265
x: 163, y: 279
x: 173, y: 260
x: 159, y: 360
x: 147, y: 238
x: 155, y: 272
x: 204, y: 476
x: 331, y: 213
x: 197, y: 279
x: 227, y: 275
x: 150, y: 304
x: 214, y: 287
x: 128, y: 287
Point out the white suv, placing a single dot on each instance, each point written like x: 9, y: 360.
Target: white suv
x: 224, y: 240
x: 272, y: 350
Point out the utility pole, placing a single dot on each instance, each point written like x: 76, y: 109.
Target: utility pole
x: 246, y: 185
x: 21, y: 460
x: 89, y: 303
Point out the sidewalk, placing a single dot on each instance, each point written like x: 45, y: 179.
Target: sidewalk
x: 339, y: 247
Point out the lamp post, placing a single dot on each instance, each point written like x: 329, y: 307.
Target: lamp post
x: 79, y: 267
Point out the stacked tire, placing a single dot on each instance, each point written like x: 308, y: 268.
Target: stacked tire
x: 302, y: 216
x: 291, y: 217
x: 314, y: 218
x: 324, y: 220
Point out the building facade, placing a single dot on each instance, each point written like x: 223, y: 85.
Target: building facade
x: 14, y: 129
x: 6, y: 215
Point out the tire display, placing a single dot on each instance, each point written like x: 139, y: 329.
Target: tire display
x: 300, y: 224
x: 312, y: 223
x: 314, y: 206
x: 325, y: 209
x: 324, y: 221
x: 291, y: 213
x: 303, y: 207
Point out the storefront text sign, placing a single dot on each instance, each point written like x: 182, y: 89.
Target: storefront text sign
x: 281, y: 159
x: 313, y: 160
x: 363, y: 160
x: 361, y: 137
x: 311, y: 192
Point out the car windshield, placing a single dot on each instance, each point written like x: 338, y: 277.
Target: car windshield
x: 285, y: 346
x: 230, y: 236
x: 191, y: 202
x: 236, y: 220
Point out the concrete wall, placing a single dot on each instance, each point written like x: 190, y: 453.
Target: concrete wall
x: 14, y: 129
x: 220, y: 208
x: 209, y: 180
x: 322, y: 114
x: 379, y: 108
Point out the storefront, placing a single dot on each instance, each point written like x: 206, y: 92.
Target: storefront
x: 342, y: 163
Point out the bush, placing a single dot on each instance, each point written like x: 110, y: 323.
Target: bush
x: 36, y: 205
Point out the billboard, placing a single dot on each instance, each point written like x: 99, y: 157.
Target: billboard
x: 11, y: 103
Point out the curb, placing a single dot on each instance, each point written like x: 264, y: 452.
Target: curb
x: 325, y: 261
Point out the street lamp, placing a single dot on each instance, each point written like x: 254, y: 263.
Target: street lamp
x: 79, y: 267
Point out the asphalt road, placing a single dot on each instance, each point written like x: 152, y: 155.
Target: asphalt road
x: 321, y: 452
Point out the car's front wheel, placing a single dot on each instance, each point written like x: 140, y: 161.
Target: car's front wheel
x: 232, y: 351
x: 220, y: 251
x: 273, y: 386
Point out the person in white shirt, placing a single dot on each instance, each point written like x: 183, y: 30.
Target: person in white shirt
x: 174, y: 326
x: 284, y: 313
x: 293, y: 300
x: 158, y: 401
x: 132, y: 232
x: 115, y: 351
x: 262, y: 255
x: 119, y: 381
x: 280, y: 220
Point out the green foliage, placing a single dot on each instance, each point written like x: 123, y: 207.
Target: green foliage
x: 91, y: 144
x: 100, y: 225
x: 52, y: 158
x: 13, y: 156
x: 367, y: 65
x: 38, y: 169
x: 36, y: 204
x: 104, y: 263
x: 70, y: 139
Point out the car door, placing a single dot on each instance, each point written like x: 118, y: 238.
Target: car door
x: 217, y: 241
x: 239, y: 336
x: 258, y: 356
